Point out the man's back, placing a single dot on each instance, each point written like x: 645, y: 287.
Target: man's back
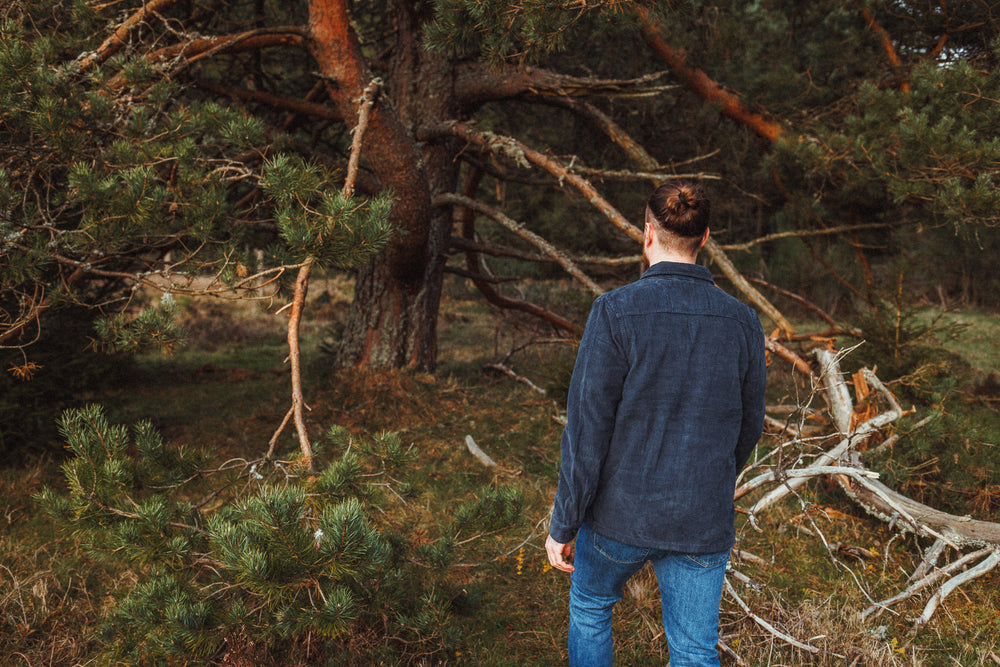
x: 670, y: 376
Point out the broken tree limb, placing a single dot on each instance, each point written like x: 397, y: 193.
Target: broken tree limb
x: 979, y: 570
x: 929, y: 561
x: 475, y: 450
x: 835, y: 385
x: 926, y: 581
x: 801, y: 473
x: 507, y: 370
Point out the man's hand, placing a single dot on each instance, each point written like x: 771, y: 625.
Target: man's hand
x: 558, y: 553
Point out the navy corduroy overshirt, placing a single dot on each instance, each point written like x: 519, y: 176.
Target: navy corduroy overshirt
x: 665, y: 407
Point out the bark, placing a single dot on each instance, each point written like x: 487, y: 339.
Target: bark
x: 393, y: 319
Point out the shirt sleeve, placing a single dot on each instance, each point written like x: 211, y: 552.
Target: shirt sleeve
x: 754, y: 385
x: 594, y: 393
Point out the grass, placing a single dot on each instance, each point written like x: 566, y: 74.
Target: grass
x: 226, y: 395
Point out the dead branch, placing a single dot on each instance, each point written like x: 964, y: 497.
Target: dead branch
x: 522, y: 154
x: 797, y: 299
x: 776, y: 348
x: 767, y: 626
x: 717, y: 255
x: 925, y: 581
x: 119, y: 38
x: 834, y: 385
x: 512, y: 225
x: 477, y: 83
x: 801, y: 233
x: 979, y: 570
x: 507, y: 370
x: 476, y: 451
x: 900, y: 512
x: 470, y: 245
x: 483, y: 283
x: 365, y: 104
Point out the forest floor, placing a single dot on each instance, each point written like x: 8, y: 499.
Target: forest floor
x: 227, y: 391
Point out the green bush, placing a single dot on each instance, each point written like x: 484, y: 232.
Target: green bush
x: 265, y: 549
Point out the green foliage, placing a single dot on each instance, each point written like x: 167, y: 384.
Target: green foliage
x: 501, y: 31
x: 115, y: 174
x: 153, y: 327
x: 265, y: 552
x: 320, y: 222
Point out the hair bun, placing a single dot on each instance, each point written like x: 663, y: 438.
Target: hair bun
x: 682, y: 198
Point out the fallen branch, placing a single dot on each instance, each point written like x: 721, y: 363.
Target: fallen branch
x: 482, y: 456
x: 925, y: 581
x: 767, y: 626
x: 979, y: 570
x: 506, y: 370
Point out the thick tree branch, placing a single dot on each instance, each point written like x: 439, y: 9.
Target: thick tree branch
x: 695, y: 80
x: 886, y: 42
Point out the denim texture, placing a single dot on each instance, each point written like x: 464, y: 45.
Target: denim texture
x: 690, y: 591
x: 665, y: 406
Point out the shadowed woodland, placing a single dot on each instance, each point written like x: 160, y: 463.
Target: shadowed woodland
x: 290, y: 293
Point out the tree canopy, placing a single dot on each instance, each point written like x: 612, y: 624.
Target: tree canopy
x: 156, y: 142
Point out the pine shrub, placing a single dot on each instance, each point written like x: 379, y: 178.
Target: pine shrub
x: 255, y: 549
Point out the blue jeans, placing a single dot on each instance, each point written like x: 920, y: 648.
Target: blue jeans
x: 690, y: 592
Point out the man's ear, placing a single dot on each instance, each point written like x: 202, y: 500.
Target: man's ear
x: 704, y: 239
x: 648, y: 236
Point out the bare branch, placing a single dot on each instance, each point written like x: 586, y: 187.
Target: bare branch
x: 925, y: 581
x: 522, y: 154
x: 119, y: 38
x: 702, y: 85
x: 512, y: 225
x: 949, y: 586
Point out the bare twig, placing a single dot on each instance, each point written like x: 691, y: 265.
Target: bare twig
x: 767, y: 626
x: 560, y: 257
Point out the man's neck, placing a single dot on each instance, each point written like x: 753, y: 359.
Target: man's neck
x: 657, y: 255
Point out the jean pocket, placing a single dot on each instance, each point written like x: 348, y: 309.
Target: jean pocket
x: 618, y: 551
x: 709, y: 560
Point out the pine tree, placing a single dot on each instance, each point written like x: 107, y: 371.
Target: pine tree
x: 251, y: 550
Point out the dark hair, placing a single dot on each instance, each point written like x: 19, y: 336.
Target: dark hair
x: 680, y: 207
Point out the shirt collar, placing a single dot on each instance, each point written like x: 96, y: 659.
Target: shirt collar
x: 679, y: 269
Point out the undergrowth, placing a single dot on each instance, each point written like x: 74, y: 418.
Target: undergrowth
x: 487, y: 596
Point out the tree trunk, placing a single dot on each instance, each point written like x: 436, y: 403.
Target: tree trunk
x: 393, y: 320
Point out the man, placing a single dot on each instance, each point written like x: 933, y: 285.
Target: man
x: 665, y: 405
